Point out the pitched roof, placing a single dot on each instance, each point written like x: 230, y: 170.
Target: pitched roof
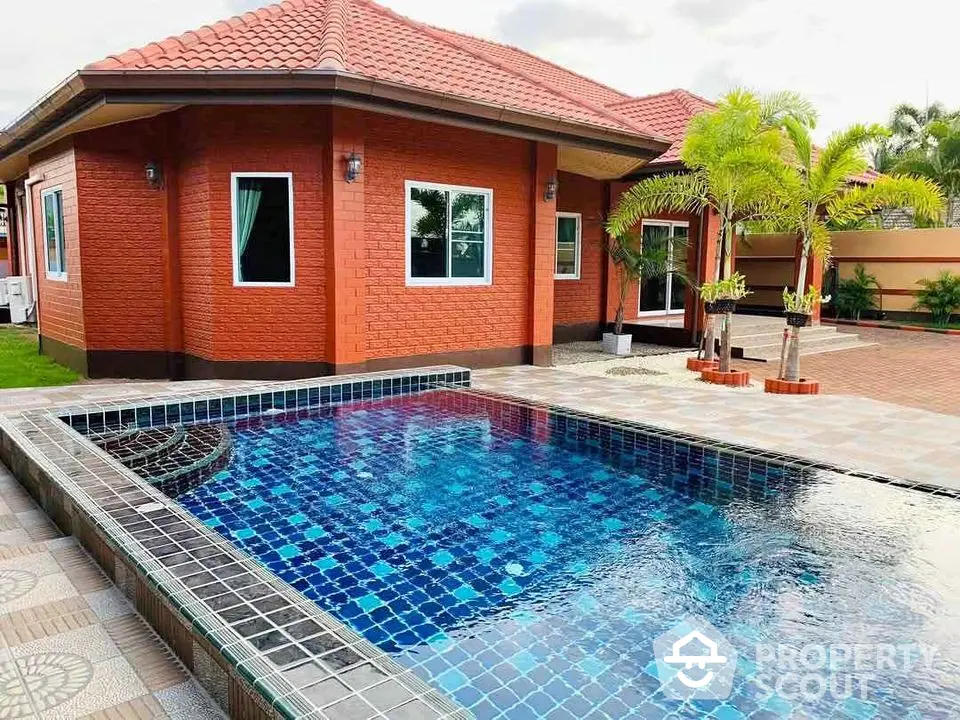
x: 668, y: 114
x: 366, y: 39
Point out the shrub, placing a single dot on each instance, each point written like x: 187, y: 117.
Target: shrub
x: 855, y: 295
x: 940, y: 297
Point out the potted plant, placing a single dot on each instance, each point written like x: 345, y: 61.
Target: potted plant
x: 720, y: 299
x: 798, y: 309
x: 631, y: 261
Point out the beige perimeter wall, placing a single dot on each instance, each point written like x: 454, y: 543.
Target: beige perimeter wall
x: 899, y: 258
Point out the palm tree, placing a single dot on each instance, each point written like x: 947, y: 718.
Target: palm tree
x: 820, y: 193
x: 940, y: 162
x: 910, y: 132
x: 633, y: 260
x: 735, y: 169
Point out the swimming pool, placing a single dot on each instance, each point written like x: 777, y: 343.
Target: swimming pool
x: 523, y: 561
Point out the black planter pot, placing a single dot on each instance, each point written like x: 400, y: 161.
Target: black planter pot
x: 720, y: 307
x: 795, y: 319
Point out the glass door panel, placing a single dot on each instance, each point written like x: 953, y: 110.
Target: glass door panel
x: 678, y: 288
x: 653, y: 291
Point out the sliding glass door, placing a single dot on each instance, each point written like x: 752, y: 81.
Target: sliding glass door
x: 663, y: 295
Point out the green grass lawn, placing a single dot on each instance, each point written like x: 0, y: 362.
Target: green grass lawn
x: 22, y: 366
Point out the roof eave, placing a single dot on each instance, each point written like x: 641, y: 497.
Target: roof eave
x: 199, y: 86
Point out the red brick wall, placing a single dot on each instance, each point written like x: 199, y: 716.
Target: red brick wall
x: 223, y: 322
x: 61, y: 302
x: 581, y: 301
x: 121, y: 225
x: 402, y: 321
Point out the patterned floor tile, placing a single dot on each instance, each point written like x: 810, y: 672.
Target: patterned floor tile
x: 107, y: 684
x: 40, y: 621
x: 187, y: 702
x: 146, y: 707
x: 109, y: 603
x: 153, y: 661
x: 21, y: 588
x: 92, y: 643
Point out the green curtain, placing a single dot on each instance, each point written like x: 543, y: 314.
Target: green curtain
x: 248, y: 200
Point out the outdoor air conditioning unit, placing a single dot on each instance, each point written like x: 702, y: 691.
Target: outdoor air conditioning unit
x: 20, y: 298
x: 3, y: 292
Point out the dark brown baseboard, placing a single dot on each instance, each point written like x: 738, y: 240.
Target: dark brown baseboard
x: 160, y: 365
x: 72, y: 357
x: 577, y: 333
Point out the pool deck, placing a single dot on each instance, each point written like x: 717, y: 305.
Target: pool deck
x: 71, y: 645
x: 854, y: 433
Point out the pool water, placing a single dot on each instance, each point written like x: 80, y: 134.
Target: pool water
x: 526, y: 573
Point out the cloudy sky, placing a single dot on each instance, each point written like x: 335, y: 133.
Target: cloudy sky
x: 855, y: 59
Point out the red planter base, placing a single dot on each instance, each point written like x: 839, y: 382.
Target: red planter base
x: 701, y: 365
x: 734, y: 378
x: 789, y: 387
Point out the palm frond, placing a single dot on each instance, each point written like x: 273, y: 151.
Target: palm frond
x: 685, y: 193
x: 919, y: 194
x: 800, y: 142
x: 776, y: 107
x: 842, y: 158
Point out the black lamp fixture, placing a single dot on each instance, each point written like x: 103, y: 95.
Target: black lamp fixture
x: 354, y: 165
x: 550, y: 192
x: 154, y: 175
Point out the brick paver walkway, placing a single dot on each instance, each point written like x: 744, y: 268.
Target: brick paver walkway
x: 917, y: 369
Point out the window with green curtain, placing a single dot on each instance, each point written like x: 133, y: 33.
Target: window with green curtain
x: 54, y: 240
x: 568, y: 246
x: 263, y: 233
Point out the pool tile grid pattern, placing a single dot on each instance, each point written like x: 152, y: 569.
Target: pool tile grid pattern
x: 302, y: 660
x: 607, y: 432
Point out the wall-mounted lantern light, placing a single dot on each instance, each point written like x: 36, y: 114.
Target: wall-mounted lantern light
x: 154, y: 175
x: 354, y: 165
x: 550, y: 192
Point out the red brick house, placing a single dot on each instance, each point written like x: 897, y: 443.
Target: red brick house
x: 325, y: 186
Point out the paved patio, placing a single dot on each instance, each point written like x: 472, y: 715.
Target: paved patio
x: 916, y: 369
x: 71, y: 646
x: 850, y: 432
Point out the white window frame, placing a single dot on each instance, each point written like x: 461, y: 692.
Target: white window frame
x: 237, y: 282
x: 60, y: 242
x: 448, y: 281
x: 667, y: 310
x: 578, y: 244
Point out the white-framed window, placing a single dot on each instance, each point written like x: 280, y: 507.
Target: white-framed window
x: 663, y: 295
x: 51, y: 200
x: 262, y: 211
x: 449, y: 234
x: 568, y: 246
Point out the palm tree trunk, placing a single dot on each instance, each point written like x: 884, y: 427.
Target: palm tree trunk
x: 725, y: 340
x: 793, y: 356
x: 709, y: 339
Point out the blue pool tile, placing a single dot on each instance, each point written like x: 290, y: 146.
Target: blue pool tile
x: 256, y: 504
x: 314, y: 533
x: 369, y: 603
x: 452, y: 680
x: 326, y: 563
x: 442, y: 558
x: 244, y: 533
x: 465, y: 593
x: 509, y: 587
x: 288, y: 551
x: 382, y: 569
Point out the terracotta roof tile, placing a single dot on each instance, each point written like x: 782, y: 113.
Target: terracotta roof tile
x: 668, y: 114
x: 361, y: 37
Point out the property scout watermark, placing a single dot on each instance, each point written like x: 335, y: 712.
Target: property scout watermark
x: 695, y: 662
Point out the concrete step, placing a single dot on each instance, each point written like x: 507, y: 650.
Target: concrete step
x: 771, y: 352
x: 762, y: 338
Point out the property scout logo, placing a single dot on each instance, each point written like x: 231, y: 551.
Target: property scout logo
x: 695, y: 662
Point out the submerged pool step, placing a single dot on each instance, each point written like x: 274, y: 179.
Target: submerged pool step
x: 171, y: 457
